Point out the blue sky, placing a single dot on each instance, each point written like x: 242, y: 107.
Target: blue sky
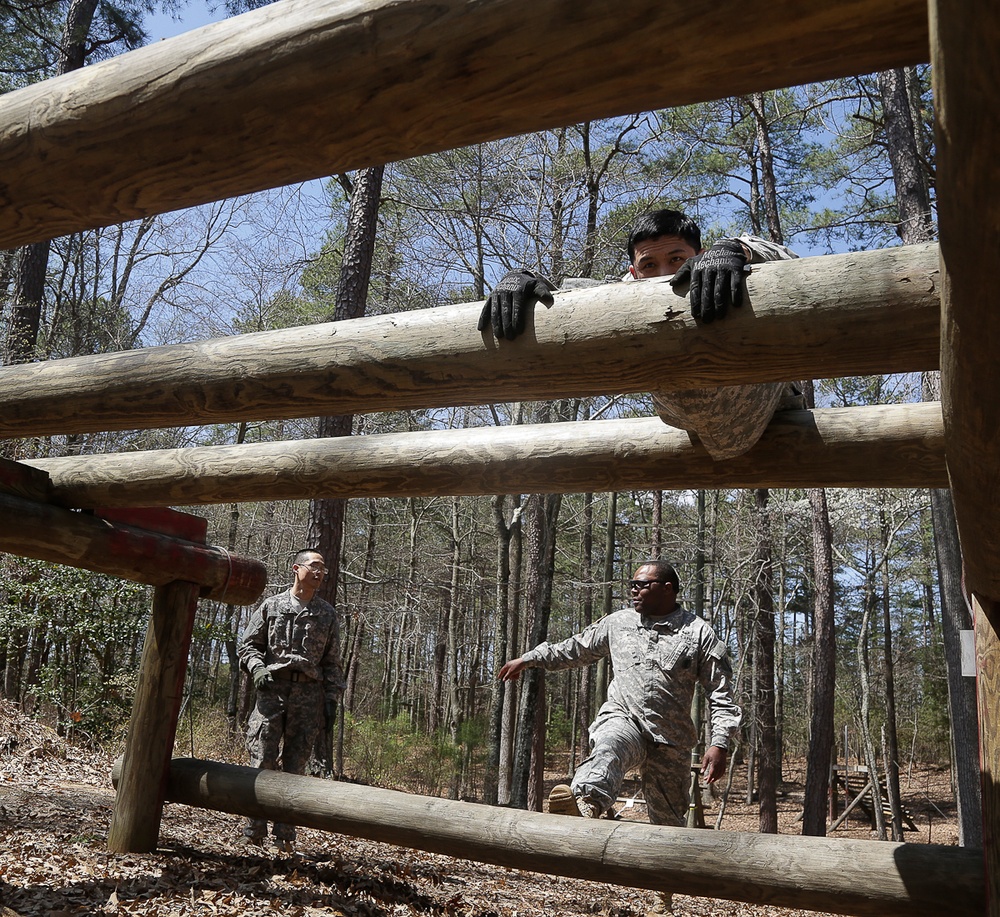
x: 192, y: 16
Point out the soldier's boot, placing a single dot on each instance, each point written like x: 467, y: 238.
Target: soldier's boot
x: 563, y: 802
x: 662, y: 905
x: 254, y: 833
x: 284, y: 837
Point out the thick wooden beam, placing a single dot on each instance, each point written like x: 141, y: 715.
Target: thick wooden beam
x: 988, y: 690
x: 45, y: 532
x: 23, y: 480
x: 302, y: 89
x: 883, y: 446
x: 843, y: 876
x: 838, y: 315
x: 966, y: 62
x: 138, y: 809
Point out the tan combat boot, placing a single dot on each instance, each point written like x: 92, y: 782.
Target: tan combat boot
x: 563, y: 802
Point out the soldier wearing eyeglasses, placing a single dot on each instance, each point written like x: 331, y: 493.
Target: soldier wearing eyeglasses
x: 291, y: 648
x: 659, y: 651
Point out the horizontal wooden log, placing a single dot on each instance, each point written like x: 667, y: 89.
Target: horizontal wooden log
x: 51, y: 533
x: 836, y: 315
x: 832, y: 875
x: 302, y: 89
x: 883, y: 446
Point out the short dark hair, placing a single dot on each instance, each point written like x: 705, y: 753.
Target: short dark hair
x: 663, y: 222
x: 664, y: 571
x: 300, y: 556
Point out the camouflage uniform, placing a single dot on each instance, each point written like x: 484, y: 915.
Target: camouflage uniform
x: 728, y: 420
x: 300, y: 645
x: 646, y: 721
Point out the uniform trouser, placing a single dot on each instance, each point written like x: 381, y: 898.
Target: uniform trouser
x: 286, y: 720
x: 616, y: 747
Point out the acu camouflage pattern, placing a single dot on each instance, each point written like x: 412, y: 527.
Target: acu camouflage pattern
x: 286, y: 641
x: 730, y: 419
x: 646, y: 721
x: 289, y: 715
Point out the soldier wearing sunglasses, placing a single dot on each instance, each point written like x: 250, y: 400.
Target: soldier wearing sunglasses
x: 659, y: 652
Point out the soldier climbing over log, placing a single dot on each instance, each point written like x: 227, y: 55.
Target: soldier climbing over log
x: 663, y: 243
x: 659, y: 652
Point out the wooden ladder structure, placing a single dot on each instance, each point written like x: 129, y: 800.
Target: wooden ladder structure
x: 857, y: 787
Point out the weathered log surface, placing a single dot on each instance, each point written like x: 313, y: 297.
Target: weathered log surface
x: 23, y: 480
x: 837, y: 315
x: 51, y: 533
x: 966, y: 64
x: 882, y: 446
x: 985, y: 615
x: 845, y: 876
x: 302, y: 89
x: 966, y: 60
x: 145, y: 770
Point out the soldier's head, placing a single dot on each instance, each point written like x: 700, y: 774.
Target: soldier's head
x: 309, y: 569
x: 660, y: 241
x: 654, y: 587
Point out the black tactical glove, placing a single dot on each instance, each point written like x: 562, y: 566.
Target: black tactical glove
x: 716, y: 279
x: 262, y: 677
x: 329, y: 713
x: 506, y: 308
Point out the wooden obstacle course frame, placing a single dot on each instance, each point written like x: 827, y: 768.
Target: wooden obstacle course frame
x: 252, y: 103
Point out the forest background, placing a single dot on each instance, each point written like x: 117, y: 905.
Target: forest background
x: 842, y: 608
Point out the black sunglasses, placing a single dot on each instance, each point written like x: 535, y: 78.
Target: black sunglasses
x: 639, y: 584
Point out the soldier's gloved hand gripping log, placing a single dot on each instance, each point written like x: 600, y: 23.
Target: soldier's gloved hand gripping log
x: 716, y: 280
x: 506, y: 308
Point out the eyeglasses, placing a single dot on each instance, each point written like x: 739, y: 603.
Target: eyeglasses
x: 637, y: 585
x: 315, y: 567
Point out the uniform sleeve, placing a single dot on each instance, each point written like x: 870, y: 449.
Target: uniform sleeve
x: 579, y: 650
x: 717, y: 680
x: 252, y: 646
x: 762, y: 250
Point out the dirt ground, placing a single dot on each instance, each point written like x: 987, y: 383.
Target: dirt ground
x: 55, y: 807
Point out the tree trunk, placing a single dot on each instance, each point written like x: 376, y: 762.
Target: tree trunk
x: 864, y: 712
x: 33, y: 259
x: 764, y: 668
x: 963, y: 707
x: 511, y: 697
x: 454, y: 703
x: 821, y: 731
x: 891, y: 741
x: 541, y: 514
x: 326, y: 517
x: 500, y: 652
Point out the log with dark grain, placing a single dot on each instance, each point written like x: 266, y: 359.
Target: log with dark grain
x: 79, y: 539
x: 303, y: 89
x: 836, y: 315
x: 835, y: 875
x: 881, y: 446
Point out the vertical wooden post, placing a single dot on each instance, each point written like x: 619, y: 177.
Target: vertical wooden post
x: 135, y: 820
x: 988, y: 689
